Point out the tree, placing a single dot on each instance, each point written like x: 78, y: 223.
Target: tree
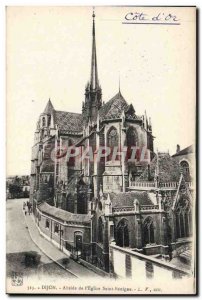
x: 15, y: 190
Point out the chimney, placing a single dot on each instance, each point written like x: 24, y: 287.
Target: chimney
x: 178, y: 148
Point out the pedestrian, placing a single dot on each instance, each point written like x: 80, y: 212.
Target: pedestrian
x: 26, y: 209
x: 28, y: 205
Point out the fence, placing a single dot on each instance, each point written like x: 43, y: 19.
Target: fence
x: 151, y: 184
x: 143, y: 184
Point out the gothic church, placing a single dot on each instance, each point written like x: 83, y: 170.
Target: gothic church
x: 84, y: 205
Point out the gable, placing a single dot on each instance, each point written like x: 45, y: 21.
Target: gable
x: 183, y: 194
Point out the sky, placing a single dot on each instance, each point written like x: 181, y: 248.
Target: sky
x: 48, y: 56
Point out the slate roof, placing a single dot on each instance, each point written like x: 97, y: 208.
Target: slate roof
x: 185, y: 151
x: 169, y: 169
x: 74, y: 122
x: 49, y: 108
x: 63, y: 215
x: 127, y: 199
x: 68, y: 121
x: 113, y: 108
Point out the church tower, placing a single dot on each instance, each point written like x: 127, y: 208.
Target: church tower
x: 45, y: 120
x: 93, y: 92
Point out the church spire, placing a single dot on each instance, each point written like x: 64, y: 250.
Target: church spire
x: 93, y: 91
x: 94, y: 72
x: 49, y: 107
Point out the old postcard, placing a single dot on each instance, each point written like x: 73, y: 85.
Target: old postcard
x: 101, y: 150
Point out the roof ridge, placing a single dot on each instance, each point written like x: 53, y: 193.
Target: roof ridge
x: 69, y: 112
x: 62, y: 210
x: 187, y: 150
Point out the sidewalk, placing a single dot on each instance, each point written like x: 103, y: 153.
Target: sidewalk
x: 55, y: 254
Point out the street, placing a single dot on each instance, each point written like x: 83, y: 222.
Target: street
x: 29, y: 253
x: 19, y: 245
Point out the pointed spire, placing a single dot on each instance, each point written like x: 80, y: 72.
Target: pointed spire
x: 101, y: 192
x: 98, y: 121
x: 119, y: 84
x: 157, y: 163
x: 108, y: 201
x: 94, y: 72
x: 146, y: 120
x: 108, y: 206
x: 49, y: 107
x: 156, y: 176
x: 150, y: 124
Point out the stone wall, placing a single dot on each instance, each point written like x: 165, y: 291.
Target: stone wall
x: 66, y: 232
x: 126, y: 263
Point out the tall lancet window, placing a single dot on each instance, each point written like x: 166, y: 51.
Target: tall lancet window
x: 112, y: 140
x: 100, y: 230
x: 183, y: 215
x: 131, y: 137
x: 122, y: 234
x: 132, y: 141
x: 148, y: 231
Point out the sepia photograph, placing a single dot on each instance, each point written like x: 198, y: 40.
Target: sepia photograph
x: 101, y: 150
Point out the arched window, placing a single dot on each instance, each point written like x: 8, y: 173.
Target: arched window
x: 100, y: 230
x: 49, y: 120
x: 183, y: 215
x: 71, y: 160
x: 112, y: 137
x: 43, y: 122
x: 131, y: 137
x: 148, y: 231
x: 184, y: 167
x: 122, y: 234
x: 132, y: 141
x: 112, y: 141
